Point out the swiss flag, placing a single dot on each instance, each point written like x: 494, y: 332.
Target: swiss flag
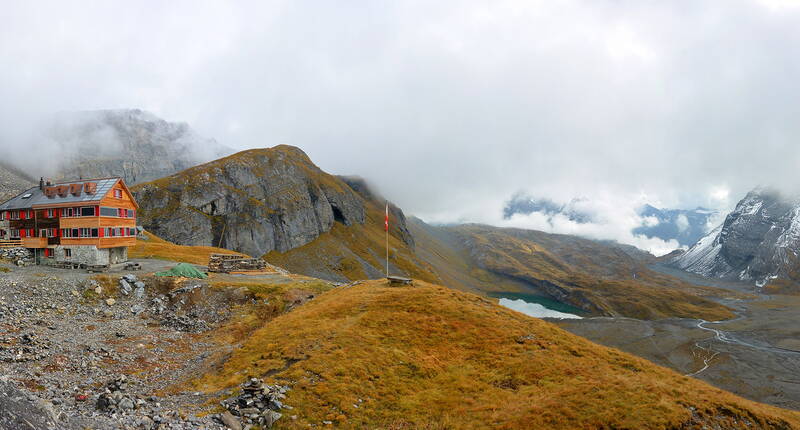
x: 386, y: 220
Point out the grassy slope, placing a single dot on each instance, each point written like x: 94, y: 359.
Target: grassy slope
x: 355, y: 252
x: 155, y: 247
x: 432, y: 357
x: 597, y: 277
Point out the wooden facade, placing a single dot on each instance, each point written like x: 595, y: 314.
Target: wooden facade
x: 98, y: 213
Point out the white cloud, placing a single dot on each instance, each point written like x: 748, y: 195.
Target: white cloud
x: 448, y: 107
x: 682, y: 222
x: 614, y: 216
x: 650, y: 221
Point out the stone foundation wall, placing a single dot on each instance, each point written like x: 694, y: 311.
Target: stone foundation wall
x: 118, y: 255
x: 83, y: 254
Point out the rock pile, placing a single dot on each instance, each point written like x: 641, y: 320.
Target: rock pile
x: 115, y: 399
x: 130, y: 284
x: 20, y: 256
x: 258, y: 404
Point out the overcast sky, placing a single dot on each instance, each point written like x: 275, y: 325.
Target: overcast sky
x: 448, y: 107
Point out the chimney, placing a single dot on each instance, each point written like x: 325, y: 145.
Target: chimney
x: 41, y: 183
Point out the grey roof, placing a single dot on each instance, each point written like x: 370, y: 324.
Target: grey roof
x: 37, y: 196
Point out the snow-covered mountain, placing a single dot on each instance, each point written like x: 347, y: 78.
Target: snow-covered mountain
x: 686, y: 226
x: 759, y: 240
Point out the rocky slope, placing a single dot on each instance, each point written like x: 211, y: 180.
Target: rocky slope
x: 276, y: 201
x: 131, y: 143
x: 13, y: 181
x: 758, y: 241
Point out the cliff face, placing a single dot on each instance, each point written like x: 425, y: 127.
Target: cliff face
x: 253, y: 202
x: 13, y: 182
x: 759, y: 241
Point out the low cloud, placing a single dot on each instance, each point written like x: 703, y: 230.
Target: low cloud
x: 448, y: 107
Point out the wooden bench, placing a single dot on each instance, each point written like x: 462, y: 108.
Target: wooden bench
x: 97, y: 268
x: 396, y: 280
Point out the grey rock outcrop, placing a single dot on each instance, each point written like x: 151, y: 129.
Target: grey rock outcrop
x: 12, y: 181
x: 253, y: 202
x: 758, y: 241
x: 131, y: 143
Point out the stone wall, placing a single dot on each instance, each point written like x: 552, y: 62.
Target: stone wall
x: 83, y: 254
x: 233, y: 263
x: 118, y: 255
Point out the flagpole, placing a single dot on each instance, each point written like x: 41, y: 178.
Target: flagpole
x: 387, y: 238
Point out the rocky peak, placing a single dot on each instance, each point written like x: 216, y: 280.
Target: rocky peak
x: 254, y: 202
x: 757, y: 240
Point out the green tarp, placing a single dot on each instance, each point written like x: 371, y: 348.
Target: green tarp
x: 183, y: 270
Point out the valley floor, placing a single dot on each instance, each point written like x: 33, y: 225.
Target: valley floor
x: 755, y: 355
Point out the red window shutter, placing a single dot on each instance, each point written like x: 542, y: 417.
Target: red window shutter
x: 100, y: 232
x: 21, y: 214
x: 22, y: 233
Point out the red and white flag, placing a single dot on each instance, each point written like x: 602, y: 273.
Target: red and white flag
x: 386, y: 220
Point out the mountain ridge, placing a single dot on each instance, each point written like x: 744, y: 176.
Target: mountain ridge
x: 758, y: 242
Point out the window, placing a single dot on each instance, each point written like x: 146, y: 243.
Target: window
x: 106, y: 211
x: 87, y: 211
x: 43, y: 232
x: 30, y: 232
x: 118, y: 193
x: 74, y: 233
x: 50, y: 213
x: 14, y: 214
x: 14, y: 233
x: 67, y: 253
x: 131, y: 213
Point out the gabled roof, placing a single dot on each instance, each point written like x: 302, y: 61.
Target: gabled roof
x: 34, y: 197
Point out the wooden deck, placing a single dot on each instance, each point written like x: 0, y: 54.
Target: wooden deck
x: 10, y: 244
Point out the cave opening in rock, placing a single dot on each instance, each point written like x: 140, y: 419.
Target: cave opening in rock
x: 337, y: 215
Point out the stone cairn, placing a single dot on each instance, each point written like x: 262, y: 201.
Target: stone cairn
x: 258, y: 404
x: 224, y: 263
x: 115, y: 399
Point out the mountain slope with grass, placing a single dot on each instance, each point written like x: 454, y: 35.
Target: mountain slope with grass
x: 275, y: 201
x: 599, y: 278
x: 425, y: 356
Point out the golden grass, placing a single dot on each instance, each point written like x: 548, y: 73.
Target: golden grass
x: 341, y: 251
x: 592, y: 276
x: 158, y: 248
x: 373, y: 356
